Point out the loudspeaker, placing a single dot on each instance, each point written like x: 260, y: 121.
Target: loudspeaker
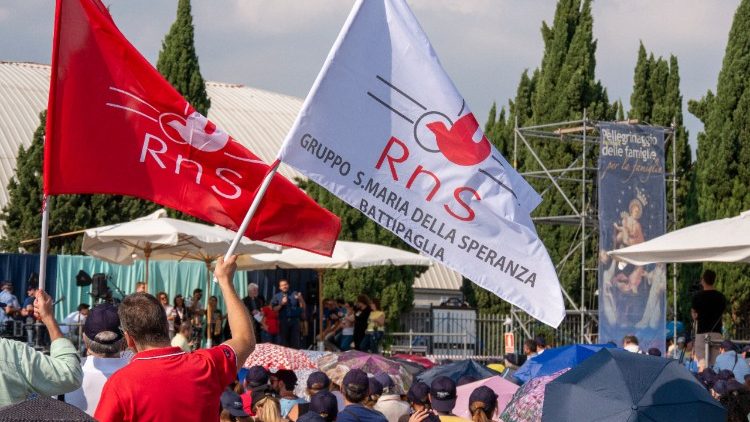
x: 99, y: 285
x: 83, y: 279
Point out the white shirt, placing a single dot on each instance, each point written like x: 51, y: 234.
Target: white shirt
x: 392, y: 407
x: 74, y: 317
x: 96, y: 371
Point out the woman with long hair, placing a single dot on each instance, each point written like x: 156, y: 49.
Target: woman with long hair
x: 217, y: 319
x: 177, y: 315
x: 482, y: 404
x: 361, y: 316
x: 267, y: 409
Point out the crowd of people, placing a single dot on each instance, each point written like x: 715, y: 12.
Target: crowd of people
x: 132, y: 372
x: 267, y: 397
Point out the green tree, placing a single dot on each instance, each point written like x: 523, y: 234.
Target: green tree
x: 723, y: 164
x: 656, y: 99
x: 178, y: 62
x: 22, y: 213
x: 564, y: 87
x: 391, y: 284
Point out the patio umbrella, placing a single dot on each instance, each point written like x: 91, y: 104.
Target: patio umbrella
x: 502, y: 387
x: 553, y: 360
x: 336, y: 367
x: 616, y: 385
x: 724, y: 240
x: 456, y: 370
x: 274, y: 357
x: 345, y: 255
x: 158, y: 237
x: 43, y: 408
x: 526, y: 404
x: 420, y: 360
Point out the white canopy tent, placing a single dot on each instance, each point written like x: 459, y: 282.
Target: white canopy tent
x: 157, y: 237
x: 345, y: 255
x: 724, y: 240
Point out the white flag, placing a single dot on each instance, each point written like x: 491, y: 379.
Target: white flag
x: 385, y: 129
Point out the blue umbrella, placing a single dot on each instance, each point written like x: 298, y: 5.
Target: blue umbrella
x: 553, y: 360
x: 456, y: 370
x: 616, y: 385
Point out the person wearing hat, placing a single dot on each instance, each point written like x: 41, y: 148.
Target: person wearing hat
x: 104, y: 343
x: 323, y: 407
x: 255, y: 378
x: 443, y: 398
x: 355, y: 388
x: 482, y: 404
x: 418, y: 397
x: 729, y: 359
x: 390, y: 403
x: 232, y: 409
x: 374, y: 391
x: 316, y: 382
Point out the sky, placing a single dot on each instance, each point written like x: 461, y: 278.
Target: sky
x: 484, y: 45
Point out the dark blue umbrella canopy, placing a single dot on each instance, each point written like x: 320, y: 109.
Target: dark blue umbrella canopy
x: 553, y: 360
x: 616, y: 385
x: 457, y: 370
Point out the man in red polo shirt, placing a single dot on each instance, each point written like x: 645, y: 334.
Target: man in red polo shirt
x: 193, y: 382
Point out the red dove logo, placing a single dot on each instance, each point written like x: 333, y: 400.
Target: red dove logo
x: 457, y: 143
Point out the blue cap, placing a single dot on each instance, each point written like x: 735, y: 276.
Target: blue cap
x: 486, y: 396
x: 356, y: 381
x: 232, y: 402
x: 385, y: 380
x: 324, y: 404
x: 374, y: 387
x: 443, y: 394
x: 310, y: 417
x: 418, y: 393
x: 318, y: 381
x: 256, y: 376
x: 103, y: 318
x: 654, y: 351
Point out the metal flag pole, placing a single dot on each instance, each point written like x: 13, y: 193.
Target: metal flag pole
x: 44, y: 245
x: 253, y: 208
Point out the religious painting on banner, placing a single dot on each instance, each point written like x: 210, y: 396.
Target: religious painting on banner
x: 632, y: 210
x: 385, y: 129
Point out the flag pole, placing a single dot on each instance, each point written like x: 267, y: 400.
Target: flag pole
x: 44, y: 245
x: 253, y: 208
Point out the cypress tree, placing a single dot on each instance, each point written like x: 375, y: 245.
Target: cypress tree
x: 723, y: 165
x: 565, y: 86
x: 640, y: 99
x: 178, y: 62
x: 22, y: 213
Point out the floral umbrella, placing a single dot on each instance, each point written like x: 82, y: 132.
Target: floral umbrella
x: 274, y: 357
x: 336, y: 366
x: 528, y: 401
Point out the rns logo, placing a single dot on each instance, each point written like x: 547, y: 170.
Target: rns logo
x: 459, y: 140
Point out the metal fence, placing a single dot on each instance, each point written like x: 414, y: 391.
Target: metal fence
x: 483, y: 335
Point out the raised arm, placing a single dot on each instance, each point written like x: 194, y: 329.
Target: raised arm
x: 243, y: 336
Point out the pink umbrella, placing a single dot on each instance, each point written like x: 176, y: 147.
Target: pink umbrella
x: 528, y: 402
x: 502, y: 387
x: 419, y: 360
x: 274, y: 357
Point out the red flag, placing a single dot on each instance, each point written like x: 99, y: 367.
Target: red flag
x: 116, y: 126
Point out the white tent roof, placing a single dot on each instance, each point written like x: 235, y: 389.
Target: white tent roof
x: 256, y: 118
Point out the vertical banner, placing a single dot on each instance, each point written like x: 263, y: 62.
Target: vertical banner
x: 631, y: 210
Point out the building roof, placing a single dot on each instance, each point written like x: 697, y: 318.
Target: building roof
x: 258, y: 119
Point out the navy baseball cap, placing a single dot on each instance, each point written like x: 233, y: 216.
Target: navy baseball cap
x: 385, y: 380
x: 324, y: 404
x: 256, y: 376
x: 259, y: 394
x: 318, y: 381
x: 356, y: 381
x: 418, y: 393
x: 103, y: 318
x: 443, y: 394
x: 232, y: 402
x: 374, y: 387
x: 484, y: 395
x: 310, y: 417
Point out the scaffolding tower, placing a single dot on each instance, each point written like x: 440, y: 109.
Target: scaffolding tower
x: 582, y: 207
